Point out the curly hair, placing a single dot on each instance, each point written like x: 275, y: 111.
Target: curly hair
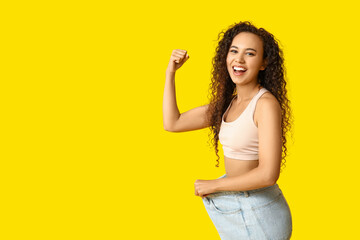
x: 223, y: 89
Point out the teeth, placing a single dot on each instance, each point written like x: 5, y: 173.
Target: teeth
x: 239, y: 68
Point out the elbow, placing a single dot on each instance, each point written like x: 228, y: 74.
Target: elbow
x: 168, y: 128
x: 271, y: 179
x: 270, y: 182
x: 269, y: 174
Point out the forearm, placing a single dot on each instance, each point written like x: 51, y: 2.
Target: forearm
x: 251, y: 180
x: 171, y: 112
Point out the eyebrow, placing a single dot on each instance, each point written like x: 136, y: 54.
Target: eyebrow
x: 245, y: 49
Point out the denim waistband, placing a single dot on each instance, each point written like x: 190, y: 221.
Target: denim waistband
x: 245, y: 193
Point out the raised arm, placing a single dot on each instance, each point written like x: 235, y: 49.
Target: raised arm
x: 173, y: 120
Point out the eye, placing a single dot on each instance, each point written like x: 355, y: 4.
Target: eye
x: 234, y: 51
x: 251, y: 54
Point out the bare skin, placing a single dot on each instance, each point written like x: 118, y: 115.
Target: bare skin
x: 246, y: 87
x: 237, y: 167
x: 245, y: 51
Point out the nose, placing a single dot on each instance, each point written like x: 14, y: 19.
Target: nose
x: 239, y: 58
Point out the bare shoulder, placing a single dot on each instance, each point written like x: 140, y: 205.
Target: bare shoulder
x: 267, y: 107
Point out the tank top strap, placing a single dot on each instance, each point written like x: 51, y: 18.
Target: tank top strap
x: 228, y: 106
x: 254, y: 101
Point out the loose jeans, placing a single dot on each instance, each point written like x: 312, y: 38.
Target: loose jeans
x: 258, y: 214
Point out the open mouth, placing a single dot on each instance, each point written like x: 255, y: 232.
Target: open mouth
x: 239, y: 70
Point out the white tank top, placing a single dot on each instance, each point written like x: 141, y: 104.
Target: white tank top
x: 239, y: 138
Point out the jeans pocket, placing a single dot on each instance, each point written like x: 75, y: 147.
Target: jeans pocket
x: 274, y: 218
x: 225, y: 203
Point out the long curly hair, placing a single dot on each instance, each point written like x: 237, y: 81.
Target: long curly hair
x: 223, y: 89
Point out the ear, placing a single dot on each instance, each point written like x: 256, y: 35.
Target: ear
x: 263, y: 66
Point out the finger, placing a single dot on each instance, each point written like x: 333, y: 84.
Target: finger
x: 184, y: 54
x: 179, y: 57
x: 175, y: 59
x: 178, y: 54
x: 196, y: 192
x: 181, y: 51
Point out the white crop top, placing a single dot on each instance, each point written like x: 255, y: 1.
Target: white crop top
x: 239, y: 138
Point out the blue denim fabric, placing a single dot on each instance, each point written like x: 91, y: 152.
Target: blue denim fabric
x: 258, y: 214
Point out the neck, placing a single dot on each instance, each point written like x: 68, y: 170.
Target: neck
x: 247, y: 92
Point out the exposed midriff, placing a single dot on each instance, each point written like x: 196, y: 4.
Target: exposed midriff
x: 237, y: 167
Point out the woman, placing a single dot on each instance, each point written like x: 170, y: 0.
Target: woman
x: 249, y: 113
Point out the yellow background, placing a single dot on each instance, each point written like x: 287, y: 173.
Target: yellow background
x: 83, y: 151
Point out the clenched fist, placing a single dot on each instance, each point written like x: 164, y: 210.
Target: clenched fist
x: 205, y: 187
x: 177, y: 59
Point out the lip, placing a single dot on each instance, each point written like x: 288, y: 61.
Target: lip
x: 239, y: 66
x: 238, y: 73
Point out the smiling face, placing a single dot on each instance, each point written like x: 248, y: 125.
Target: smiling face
x: 246, y: 55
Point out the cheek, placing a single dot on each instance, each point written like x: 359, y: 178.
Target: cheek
x: 256, y: 63
x: 228, y: 64
x: 228, y: 61
x: 229, y: 57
